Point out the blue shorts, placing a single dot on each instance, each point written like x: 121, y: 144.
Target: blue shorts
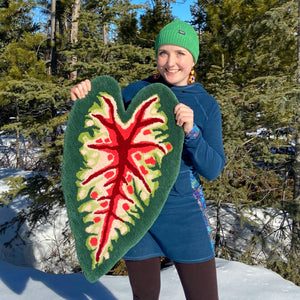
x: 179, y: 233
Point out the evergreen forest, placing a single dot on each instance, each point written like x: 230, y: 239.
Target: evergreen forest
x: 249, y: 61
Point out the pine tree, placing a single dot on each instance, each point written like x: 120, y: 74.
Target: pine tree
x: 154, y: 19
x: 30, y: 99
x: 15, y: 23
x: 15, y: 20
x: 128, y: 28
x: 123, y: 61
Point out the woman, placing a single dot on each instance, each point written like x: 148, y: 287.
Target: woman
x: 181, y: 231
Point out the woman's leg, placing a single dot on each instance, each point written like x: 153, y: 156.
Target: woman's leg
x: 199, y: 280
x: 144, y: 277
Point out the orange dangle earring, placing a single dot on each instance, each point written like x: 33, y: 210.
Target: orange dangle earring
x: 192, y: 77
x: 156, y: 76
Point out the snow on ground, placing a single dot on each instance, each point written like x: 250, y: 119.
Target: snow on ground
x: 22, y: 266
x: 237, y: 281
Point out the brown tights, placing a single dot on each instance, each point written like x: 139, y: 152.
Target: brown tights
x: 199, y: 280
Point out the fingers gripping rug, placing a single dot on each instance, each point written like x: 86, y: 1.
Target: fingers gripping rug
x: 118, y: 168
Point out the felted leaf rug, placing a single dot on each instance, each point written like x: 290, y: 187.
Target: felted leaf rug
x: 118, y: 168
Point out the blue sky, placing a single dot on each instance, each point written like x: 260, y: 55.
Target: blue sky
x: 180, y: 9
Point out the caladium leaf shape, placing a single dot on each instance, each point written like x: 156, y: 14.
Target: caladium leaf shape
x: 118, y: 168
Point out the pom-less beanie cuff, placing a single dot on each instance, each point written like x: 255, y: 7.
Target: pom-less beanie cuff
x: 181, y: 34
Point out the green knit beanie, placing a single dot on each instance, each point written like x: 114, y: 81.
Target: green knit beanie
x: 181, y: 34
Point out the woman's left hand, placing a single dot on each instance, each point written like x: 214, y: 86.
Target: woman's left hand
x: 184, y: 116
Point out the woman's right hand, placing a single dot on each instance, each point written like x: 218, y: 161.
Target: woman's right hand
x: 80, y: 90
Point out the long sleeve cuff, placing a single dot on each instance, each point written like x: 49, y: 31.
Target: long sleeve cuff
x: 192, y: 135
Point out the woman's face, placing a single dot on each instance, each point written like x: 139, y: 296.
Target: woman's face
x: 174, y: 63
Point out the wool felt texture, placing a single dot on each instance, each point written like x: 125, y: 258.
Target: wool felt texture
x: 118, y: 168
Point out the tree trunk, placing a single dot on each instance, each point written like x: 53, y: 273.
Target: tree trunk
x: 75, y: 16
x: 53, y: 58
x: 18, y: 156
x: 74, y: 35
x: 104, y: 35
